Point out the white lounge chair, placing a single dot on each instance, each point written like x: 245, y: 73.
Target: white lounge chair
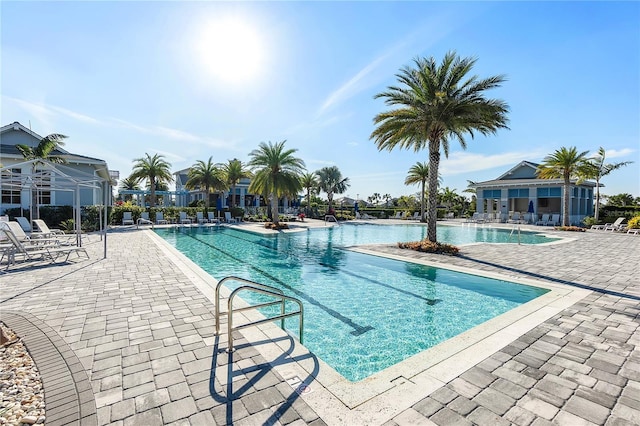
x: 543, y: 221
x: 40, y: 252
x: 416, y: 216
x: 200, y: 218
x: 228, y: 218
x: 515, y: 218
x: 24, y: 224
x: 615, y: 226
x: 184, y: 219
x: 127, y: 218
x: 634, y: 231
x: 555, y: 220
x: 212, y: 218
x: 160, y: 220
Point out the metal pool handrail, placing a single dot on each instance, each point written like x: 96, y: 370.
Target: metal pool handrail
x: 256, y: 288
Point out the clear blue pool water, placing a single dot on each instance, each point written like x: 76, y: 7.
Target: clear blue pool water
x: 362, y: 313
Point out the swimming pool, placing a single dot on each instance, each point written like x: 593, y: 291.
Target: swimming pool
x: 363, y: 313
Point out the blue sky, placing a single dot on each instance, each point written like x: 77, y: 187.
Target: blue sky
x: 190, y: 80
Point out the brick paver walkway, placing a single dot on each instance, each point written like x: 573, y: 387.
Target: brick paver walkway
x: 144, y: 333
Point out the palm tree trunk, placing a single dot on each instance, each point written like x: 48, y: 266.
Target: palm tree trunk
x: 422, y: 203
x: 207, y: 188
x: 432, y: 214
x: 565, y: 214
x: 597, y: 199
x: 152, y: 201
x: 233, y: 198
x: 274, y: 208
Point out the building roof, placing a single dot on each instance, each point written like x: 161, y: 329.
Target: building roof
x: 523, y: 174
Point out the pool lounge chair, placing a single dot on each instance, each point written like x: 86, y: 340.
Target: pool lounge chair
x: 634, y: 231
x: 212, y: 218
x: 160, y: 220
x: 184, y: 219
x: 228, y: 218
x: 200, y: 218
x: 40, y: 252
x: 543, y: 221
x: 554, y: 221
x: 515, y: 218
x: 24, y: 224
x: 615, y: 226
x: 127, y: 218
x: 44, y: 228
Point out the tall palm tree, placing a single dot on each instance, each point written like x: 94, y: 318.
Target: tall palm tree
x: 130, y: 184
x: 43, y: 151
x: 234, y: 171
x: 310, y: 184
x: 207, y: 176
x: 418, y: 173
x: 387, y: 198
x: 276, y: 172
x: 437, y: 103
x: 154, y: 169
x: 330, y: 180
x: 597, y: 169
x: 566, y: 164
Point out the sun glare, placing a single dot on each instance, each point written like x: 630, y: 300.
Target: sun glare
x: 230, y: 50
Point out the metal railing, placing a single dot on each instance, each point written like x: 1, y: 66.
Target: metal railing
x: 327, y: 218
x: 261, y: 289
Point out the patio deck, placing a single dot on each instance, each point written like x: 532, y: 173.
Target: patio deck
x: 140, y: 325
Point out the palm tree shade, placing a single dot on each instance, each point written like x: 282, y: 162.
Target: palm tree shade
x: 276, y: 173
x: 566, y: 164
x: 154, y: 169
x: 234, y: 171
x: 434, y: 104
x: 597, y: 169
x: 330, y: 180
x: 207, y: 176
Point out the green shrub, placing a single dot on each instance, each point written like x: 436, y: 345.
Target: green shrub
x: 589, y: 221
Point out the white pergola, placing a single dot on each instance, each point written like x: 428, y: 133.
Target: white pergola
x: 58, y: 177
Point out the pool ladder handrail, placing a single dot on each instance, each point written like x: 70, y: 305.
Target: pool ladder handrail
x: 513, y: 229
x: 330, y: 216
x: 256, y: 288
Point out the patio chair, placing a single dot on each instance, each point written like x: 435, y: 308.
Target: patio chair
x: 515, y: 218
x: 555, y: 220
x: 634, y: 231
x: 228, y: 218
x: 39, y: 252
x: 19, y: 232
x: 200, y: 218
x: 144, y: 219
x: 543, y: 221
x: 615, y: 226
x: 212, y: 218
x: 44, y: 228
x: 184, y: 219
x: 160, y: 220
x: 127, y: 218
x: 24, y: 224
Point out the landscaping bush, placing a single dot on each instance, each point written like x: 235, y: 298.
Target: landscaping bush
x: 634, y: 222
x: 271, y: 225
x: 427, y: 246
x: 570, y: 228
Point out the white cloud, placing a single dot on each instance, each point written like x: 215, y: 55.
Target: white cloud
x: 616, y: 153
x: 463, y: 162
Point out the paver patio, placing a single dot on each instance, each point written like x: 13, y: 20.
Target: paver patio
x: 141, y: 326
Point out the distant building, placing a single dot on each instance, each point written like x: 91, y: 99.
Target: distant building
x: 54, y: 185
x: 186, y: 196
x: 518, y: 188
